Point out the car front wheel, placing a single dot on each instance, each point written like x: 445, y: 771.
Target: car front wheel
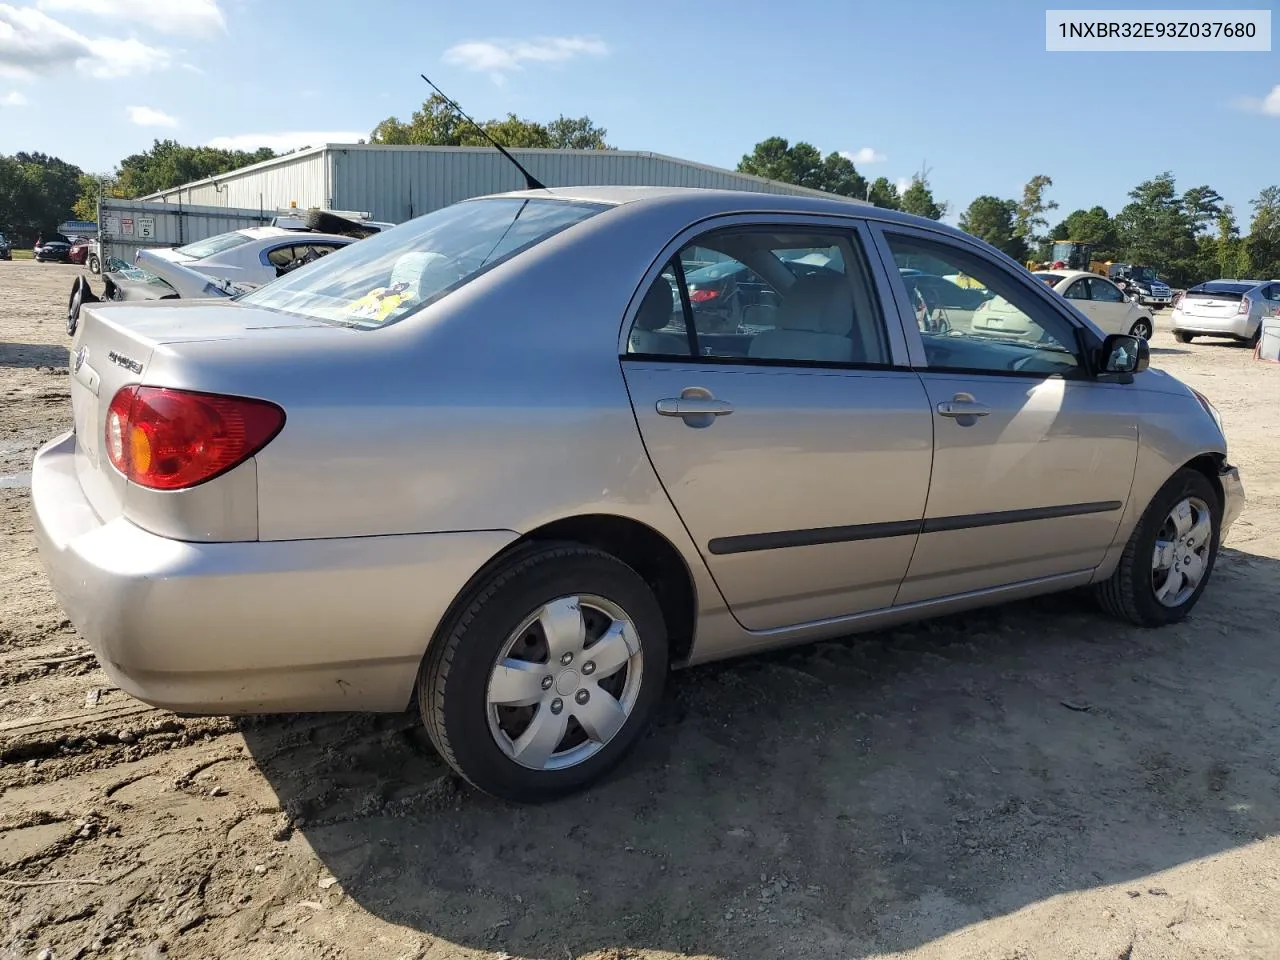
x: 1141, y: 328
x: 548, y: 675
x: 1170, y: 554
x: 1183, y: 337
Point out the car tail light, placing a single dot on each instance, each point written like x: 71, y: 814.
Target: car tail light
x: 173, y: 439
x: 702, y: 296
x: 1245, y: 305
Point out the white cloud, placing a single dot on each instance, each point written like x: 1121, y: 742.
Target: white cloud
x: 1269, y: 105
x: 282, y: 142
x: 865, y: 155
x: 903, y: 183
x: 13, y: 99
x: 33, y: 43
x: 500, y: 57
x: 191, y: 17
x: 150, y: 117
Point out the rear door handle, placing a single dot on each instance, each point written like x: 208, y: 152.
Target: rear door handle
x: 697, y: 406
x: 693, y: 406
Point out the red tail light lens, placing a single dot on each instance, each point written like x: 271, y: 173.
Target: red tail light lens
x: 173, y: 439
x: 702, y: 296
x: 1245, y: 304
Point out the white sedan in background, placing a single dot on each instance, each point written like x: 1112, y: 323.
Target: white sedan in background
x: 247, y: 258
x: 1225, y: 308
x: 1096, y: 297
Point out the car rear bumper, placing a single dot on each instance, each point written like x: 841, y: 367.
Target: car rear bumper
x: 1236, y: 325
x: 1233, y: 497
x: 262, y: 626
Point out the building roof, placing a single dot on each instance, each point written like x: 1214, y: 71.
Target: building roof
x: 518, y: 152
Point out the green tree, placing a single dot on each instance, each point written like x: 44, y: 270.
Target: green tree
x: 885, y: 194
x: 169, y: 164
x: 37, y: 192
x: 1030, y: 218
x: 918, y: 199
x: 1089, y: 226
x: 438, y: 124
x: 1202, y: 205
x: 1263, y: 242
x: 1154, y: 227
x: 1227, y: 243
x: 803, y: 165
x: 576, y: 133
x: 992, y: 219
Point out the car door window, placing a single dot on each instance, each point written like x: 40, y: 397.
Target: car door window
x: 281, y: 256
x: 1078, y: 290
x: 1105, y: 291
x: 765, y: 295
x: 1012, y: 331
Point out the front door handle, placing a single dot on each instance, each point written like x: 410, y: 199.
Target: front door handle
x: 695, y: 405
x: 963, y: 408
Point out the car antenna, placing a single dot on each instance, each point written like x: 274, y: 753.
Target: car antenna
x: 531, y: 182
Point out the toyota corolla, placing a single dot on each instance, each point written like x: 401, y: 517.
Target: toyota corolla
x: 486, y: 463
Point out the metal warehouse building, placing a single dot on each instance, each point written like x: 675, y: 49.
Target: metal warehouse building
x: 397, y: 183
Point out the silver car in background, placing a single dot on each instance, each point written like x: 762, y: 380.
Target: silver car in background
x: 1225, y: 308
x: 490, y: 462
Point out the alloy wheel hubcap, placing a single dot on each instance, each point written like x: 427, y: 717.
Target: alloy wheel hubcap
x: 565, y: 682
x: 1181, y: 554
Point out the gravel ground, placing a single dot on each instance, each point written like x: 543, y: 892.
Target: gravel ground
x: 1033, y: 781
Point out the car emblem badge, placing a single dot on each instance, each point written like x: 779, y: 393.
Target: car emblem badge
x: 81, y: 354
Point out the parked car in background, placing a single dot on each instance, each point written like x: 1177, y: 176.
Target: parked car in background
x: 249, y: 257
x: 1225, y: 308
x: 1096, y: 297
x: 1141, y: 282
x: 55, y: 248
x: 79, y: 252
x: 471, y: 464
x: 6, y: 248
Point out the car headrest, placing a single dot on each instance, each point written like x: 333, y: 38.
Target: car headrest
x: 818, y: 303
x: 425, y: 272
x: 656, y: 307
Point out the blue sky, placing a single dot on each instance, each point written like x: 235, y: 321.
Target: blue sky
x: 967, y: 89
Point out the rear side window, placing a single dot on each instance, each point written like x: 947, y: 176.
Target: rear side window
x: 764, y: 295
x: 208, y: 247
x: 393, y: 274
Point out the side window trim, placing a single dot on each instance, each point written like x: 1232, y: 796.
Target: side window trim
x: 1036, y: 290
x: 855, y: 230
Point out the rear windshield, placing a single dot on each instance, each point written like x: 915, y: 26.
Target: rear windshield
x: 207, y: 248
x: 392, y: 274
x: 1052, y: 279
x: 1221, y: 291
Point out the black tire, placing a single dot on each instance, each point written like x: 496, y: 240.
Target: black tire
x: 95, y: 266
x: 322, y: 221
x: 453, y: 681
x: 1256, y: 338
x: 1142, y: 328
x: 1128, y: 593
x: 1182, y: 337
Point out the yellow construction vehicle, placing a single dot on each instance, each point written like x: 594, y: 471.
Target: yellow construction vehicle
x: 1073, y: 255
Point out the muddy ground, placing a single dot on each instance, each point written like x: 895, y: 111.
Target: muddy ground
x: 1033, y: 781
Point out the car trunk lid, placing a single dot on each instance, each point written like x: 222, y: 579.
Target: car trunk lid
x: 1219, y: 304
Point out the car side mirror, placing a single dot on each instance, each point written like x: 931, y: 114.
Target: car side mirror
x: 1122, y: 353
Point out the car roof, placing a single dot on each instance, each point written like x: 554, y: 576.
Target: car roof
x: 728, y: 201
x: 1066, y: 274
x: 259, y: 233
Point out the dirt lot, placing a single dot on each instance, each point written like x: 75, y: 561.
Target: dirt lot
x: 1033, y: 781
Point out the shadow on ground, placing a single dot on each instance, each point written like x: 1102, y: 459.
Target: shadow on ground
x: 870, y: 794
x: 33, y: 355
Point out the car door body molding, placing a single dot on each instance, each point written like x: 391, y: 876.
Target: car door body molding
x: 782, y: 539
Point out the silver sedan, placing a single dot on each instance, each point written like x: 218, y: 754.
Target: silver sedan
x: 502, y: 461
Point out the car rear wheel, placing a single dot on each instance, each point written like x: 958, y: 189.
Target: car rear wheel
x: 1141, y: 328
x: 1183, y: 337
x: 1170, y: 555
x: 548, y: 673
